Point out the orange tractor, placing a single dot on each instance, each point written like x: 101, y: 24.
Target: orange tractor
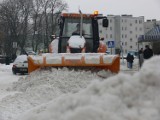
x: 77, y: 45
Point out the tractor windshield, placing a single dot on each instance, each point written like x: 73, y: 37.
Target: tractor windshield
x: 70, y: 26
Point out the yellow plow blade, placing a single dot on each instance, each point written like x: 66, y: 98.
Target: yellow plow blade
x: 99, y: 60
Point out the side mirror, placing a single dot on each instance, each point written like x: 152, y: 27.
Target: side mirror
x: 105, y: 22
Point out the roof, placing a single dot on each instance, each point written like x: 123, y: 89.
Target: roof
x: 151, y: 36
x: 77, y: 15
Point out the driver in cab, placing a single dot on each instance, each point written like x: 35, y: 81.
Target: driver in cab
x: 76, y: 43
x: 77, y: 31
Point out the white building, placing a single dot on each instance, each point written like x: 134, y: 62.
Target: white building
x: 124, y: 31
x: 150, y: 24
x: 151, y: 27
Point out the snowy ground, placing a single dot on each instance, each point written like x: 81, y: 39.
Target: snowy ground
x: 81, y: 95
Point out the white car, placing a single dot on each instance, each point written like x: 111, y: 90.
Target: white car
x: 20, y: 65
x: 30, y: 52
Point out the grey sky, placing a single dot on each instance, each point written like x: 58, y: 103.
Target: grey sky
x: 148, y: 8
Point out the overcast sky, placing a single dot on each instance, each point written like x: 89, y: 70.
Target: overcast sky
x: 148, y: 8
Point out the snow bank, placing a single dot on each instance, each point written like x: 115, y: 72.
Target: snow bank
x: 41, y: 87
x: 5, y: 68
x: 122, y: 97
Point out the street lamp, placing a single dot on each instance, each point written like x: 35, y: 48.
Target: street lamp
x: 121, y: 47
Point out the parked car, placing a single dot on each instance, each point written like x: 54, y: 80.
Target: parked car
x: 20, y: 65
x: 30, y: 53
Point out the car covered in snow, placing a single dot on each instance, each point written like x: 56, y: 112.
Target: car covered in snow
x: 30, y: 53
x: 20, y: 65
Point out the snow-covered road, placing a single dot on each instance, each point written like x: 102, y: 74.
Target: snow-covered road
x: 47, y: 94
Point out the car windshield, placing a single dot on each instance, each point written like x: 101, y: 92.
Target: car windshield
x: 21, y: 58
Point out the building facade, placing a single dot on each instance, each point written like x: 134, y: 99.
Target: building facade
x: 150, y: 24
x: 151, y: 36
x: 124, y: 30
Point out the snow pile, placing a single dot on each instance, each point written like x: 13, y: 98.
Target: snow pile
x: 5, y: 68
x: 122, y: 97
x: 41, y: 87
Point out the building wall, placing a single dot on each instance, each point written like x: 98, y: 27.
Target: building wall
x: 124, y: 31
x: 149, y: 24
x: 132, y: 27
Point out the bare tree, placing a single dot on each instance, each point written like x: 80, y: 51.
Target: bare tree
x: 24, y: 20
x: 55, y: 9
x: 14, y: 16
x: 2, y: 43
x: 50, y: 11
x: 8, y: 21
x: 36, y: 17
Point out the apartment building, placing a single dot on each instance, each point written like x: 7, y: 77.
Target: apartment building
x: 124, y: 30
x: 150, y: 24
x: 152, y: 35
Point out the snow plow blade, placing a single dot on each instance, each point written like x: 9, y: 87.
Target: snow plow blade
x: 98, y: 60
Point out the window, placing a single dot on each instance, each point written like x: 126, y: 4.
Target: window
x: 106, y: 36
x: 70, y: 27
x: 130, y: 32
x: 122, y: 28
x: 110, y: 35
x: 131, y: 46
x: 122, y: 35
x: 130, y: 24
x: 110, y: 20
x: 130, y: 39
x: 125, y: 43
x: 126, y: 36
x: 122, y: 43
x: 135, y: 21
x: 110, y: 28
x: 125, y: 51
x: 140, y: 21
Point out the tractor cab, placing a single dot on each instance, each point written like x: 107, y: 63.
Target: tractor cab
x: 69, y: 23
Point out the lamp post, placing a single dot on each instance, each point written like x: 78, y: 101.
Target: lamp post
x: 121, y: 48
